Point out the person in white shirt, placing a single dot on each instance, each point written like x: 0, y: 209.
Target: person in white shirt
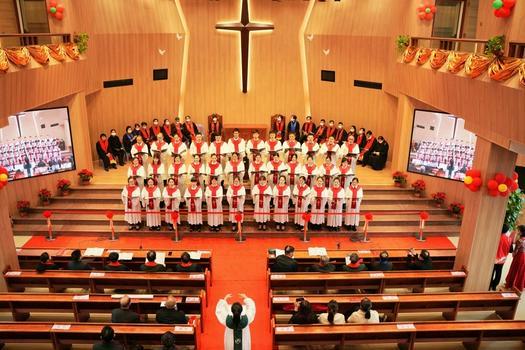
x: 328, y: 171
x: 281, y: 198
x: 234, y: 168
x: 291, y: 147
x: 160, y: 148
x: 237, y: 144
x: 301, y: 200
x: 199, y: 147
x: 310, y: 147
x: 318, y: 199
x: 332, y: 316
x: 256, y: 170
x: 354, y: 196
x: 350, y: 151
x: 236, y: 318
x: 365, y: 314
x: 294, y: 169
x: 219, y: 148
x: 255, y: 146
x: 330, y: 149
x: 345, y: 173
x: 137, y: 172
x: 140, y: 149
x: 236, y: 195
x: 131, y: 200
x: 214, y: 196
x: 310, y: 171
x: 273, y: 146
x: 193, y: 197
x: 197, y: 170
x: 178, y: 171
x: 151, y: 196
x: 214, y: 169
x: 275, y: 169
x: 171, y: 195
x: 156, y: 171
x: 261, y: 194
x: 177, y: 147
x: 336, y: 199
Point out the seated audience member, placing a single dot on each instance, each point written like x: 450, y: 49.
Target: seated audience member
x: 128, y: 140
x: 116, y: 147
x: 286, y: 262
x: 365, y: 314
x: 75, y: 263
x: 378, y: 154
x: 114, y: 264
x: 46, y: 263
x: 364, y: 155
x: 383, y: 264
x: 419, y: 262
x: 169, y: 313
x: 332, y: 316
x: 303, y: 313
x: 104, y: 153
x: 124, y: 314
x: 151, y: 265
x: 186, y: 265
x: 324, y: 265
x: 107, y: 336
x: 355, y: 265
x: 168, y: 341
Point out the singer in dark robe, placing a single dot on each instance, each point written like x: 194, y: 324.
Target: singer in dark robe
x: 167, y: 130
x: 293, y: 127
x: 104, y: 152
x: 190, y: 129
x: 181, y: 131
x: 340, y: 134
x: 379, y: 153
x: 320, y: 133
x: 154, y: 130
x: 364, y: 156
x: 307, y: 129
x: 280, y: 128
x: 215, y: 128
x: 116, y: 147
x: 129, y: 138
x: 145, y: 132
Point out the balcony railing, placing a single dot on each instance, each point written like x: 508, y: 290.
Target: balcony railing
x: 512, y: 49
x: 36, y: 38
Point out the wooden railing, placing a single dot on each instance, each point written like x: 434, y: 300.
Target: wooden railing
x: 37, y: 38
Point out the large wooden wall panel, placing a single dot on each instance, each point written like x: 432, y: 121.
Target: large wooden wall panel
x: 490, y: 25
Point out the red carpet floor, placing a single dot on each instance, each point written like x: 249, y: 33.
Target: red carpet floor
x: 237, y: 268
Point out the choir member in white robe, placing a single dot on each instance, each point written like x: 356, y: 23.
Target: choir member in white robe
x: 219, y: 148
x: 236, y: 196
x: 354, y: 196
x: 151, y: 196
x: 255, y: 146
x: 328, y: 171
x: 199, y: 147
x: 171, y: 195
x: 345, y: 173
x: 161, y: 148
x: 294, y: 169
x: 310, y: 171
x: 177, y: 147
x: 256, y: 170
x: 272, y: 146
x: 275, y: 168
x: 234, y: 168
x: 140, y: 149
x: 301, y: 200
x: 156, y: 171
x: 214, y: 169
x: 137, y: 172
x: 236, y: 319
x: 330, y: 149
x: 197, y: 170
x: 310, y: 147
x: 214, y: 196
x: 177, y: 171
x: 261, y: 194
x: 291, y: 147
x: 281, y: 197
x: 237, y: 144
x: 336, y: 199
x: 193, y: 197
x: 318, y: 199
x: 131, y: 200
x: 350, y: 151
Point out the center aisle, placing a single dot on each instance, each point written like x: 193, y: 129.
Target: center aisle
x: 237, y: 268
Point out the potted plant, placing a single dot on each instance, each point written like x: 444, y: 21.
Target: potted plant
x: 64, y: 186
x: 85, y: 176
x: 514, y: 208
x: 439, y: 198
x: 402, y: 42
x: 456, y: 209
x: 495, y: 46
x: 400, y: 179
x: 23, y: 208
x: 45, y: 196
x: 419, y: 187
x: 81, y: 39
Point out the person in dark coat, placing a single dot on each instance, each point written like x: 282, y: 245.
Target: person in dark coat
x: 383, y: 264
x: 76, y: 263
x: 186, y: 265
x: 169, y: 313
x: 378, y: 154
x: 340, y: 134
x: 303, y: 313
x: 324, y: 265
x: 124, y: 314
x: 116, y: 147
x: 167, y: 130
x: 107, y: 336
x: 46, y: 263
x: 168, y: 341
x: 151, y: 265
x: 293, y: 127
x: 419, y: 262
x: 307, y: 129
x: 190, y: 130
x: 355, y: 265
x: 114, y: 264
x: 286, y: 262
x: 129, y: 139
x: 104, y: 152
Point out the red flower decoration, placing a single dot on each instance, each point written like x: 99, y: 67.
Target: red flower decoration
x: 109, y: 214
x: 175, y: 216
x: 423, y: 215
x: 306, y: 217
x: 238, y: 217
x: 47, y: 214
x: 369, y: 217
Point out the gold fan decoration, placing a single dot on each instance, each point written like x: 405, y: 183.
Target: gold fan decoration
x: 504, y: 67
x: 423, y: 55
x: 40, y: 53
x: 456, y: 61
x: 4, y: 63
x: 72, y: 51
x: 409, y: 54
x: 18, y: 56
x: 438, y: 58
x: 477, y: 65
x: 57, y: 51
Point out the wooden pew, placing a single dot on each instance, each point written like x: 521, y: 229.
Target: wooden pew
x: 89, y: 333
x: 99, y: 281
x: 504, y: 304
x: 21, y: 305
x: 405, y: 335
x: 372, y: 282
x: 442, y: 259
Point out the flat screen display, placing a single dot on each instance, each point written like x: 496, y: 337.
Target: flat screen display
x: 37, y: 143
x: 440, y: 145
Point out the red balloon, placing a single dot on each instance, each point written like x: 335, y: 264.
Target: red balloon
x: 429, y: 16
x: 509, y: 3
x: 421, y: 15
x: 497, y: 13
x: 469, y: 173
x: 504, y: 194
x: 493, y: 193
x: 473, y: 188
x: 423, y: 215
x: 513, y: 186
x: 476, y: 173
x: 492, y: 185
x: 476, y: 181
x: 109, y: 214
x: 515, y: 176
x: 433, y: 8
x: 47, y: 214
x: 59, y: 16
x: 60, y: 8
x: 505, y: 12
x: 3, y: 171
x: 52, y: 3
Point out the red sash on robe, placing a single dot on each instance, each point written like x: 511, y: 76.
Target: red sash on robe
x: 234, y: 166
x: 168, y: 130
x: 235, y: 190
x: 350, y: 147
x: 329, y: 149
x: 198, y: 146
x: 354, y: 196
x: 276, y: 171
x: 291, y: 149
x: 135, y: 169
x: 319, y: 132
x: 150, y: 190
x: 196, y: 170
x: 155, y: 168
x: 218, y: 149
x: 145, y: 134
x: 359, y: 139
x: 178, y: 130
x: 257, y: 167
x: 105, y: 147
x: 236, y: 144
x: 335, y: 192
x: 262, y: 189
x: 300, y: 196
x: 176, y: 168
x: 156, y: 130
x: 292, y: 173
x: 309, y: 172
x: 318, y: 198
x: 159, y: 145
x: 213, y: 167
x: 272, y: 145
x: 339, y: 135
x: 139, y: 150
x: 280, y: 192
x: 307, y: 127
x: 255, y: 145
x: 368, y: 145
x: 327, y: 171
x: 130, y: 190
x: 342, y: 177
x: 279, y: 127
x: 176, y: 146
x: 170, y: 191
x: 189, y: 126
x: 330, y: 131
x: 214, y: 190
x: 193, y: 193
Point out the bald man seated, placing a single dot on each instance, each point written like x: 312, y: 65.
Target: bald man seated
x: 151, y: 265
x: 124, y: 314
x: 169, y: 313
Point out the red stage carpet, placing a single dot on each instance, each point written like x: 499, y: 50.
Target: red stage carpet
x: 237, y: 268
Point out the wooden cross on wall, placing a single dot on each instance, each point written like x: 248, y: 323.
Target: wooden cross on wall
x: 244, y: 27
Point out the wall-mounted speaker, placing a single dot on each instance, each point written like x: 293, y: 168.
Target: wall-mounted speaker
x: 117, y: 83
x: 160, y: 74
x: 368, y: 84
x: 328, y: 75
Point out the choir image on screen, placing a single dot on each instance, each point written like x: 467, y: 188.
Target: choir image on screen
x: 297, y: 170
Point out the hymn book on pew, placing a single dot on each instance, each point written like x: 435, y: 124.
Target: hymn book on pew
x: 94, y: 252
x: 317, y: 251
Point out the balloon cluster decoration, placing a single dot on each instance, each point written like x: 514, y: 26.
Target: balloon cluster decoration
x: 426, y: 11
x: 502, y: 185
x: 3, y: 177
x: 472, y: 180
x: 55, y: 10
x: 503, y: 8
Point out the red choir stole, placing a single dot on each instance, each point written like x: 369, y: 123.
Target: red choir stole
x: 178, y: 130
x: 291, y: 149
x: 215, y: 127
x: 319, y: 131
x: 354, y: 196
x: 150, y: 190
x: 159, y: 145
x: 350, y: 147
x: 213, y: 167
x: 130, y: 190
x: 235, y: 196
x: 167, y: 129
x: 196, y: 170
x: 104, y: 144
x: 156, y: 130
x: 327, y: 173
x: 292, y: 173
x: 368, y: 145
x: 309, y: 172
x: 145, y: 134
x: 213, y: 190
x: 189, y: 126
x: 359, y: 139
x: 329, y: 149
x: 342, y: 177
x: 276, y: 170
x: 235, y: 166
x: 319, y: 197
x: 257, y: 167
x: 335, y: 192
x: 255, y: 147
x: 279, y: 127
x: 339, y: 135
x: 171, y: 191
x: 139, y: 149
x: 193, y: 194
x: 155, y: 168
x: 280, y: 192
x: 300, y: 196
x: 272, y: 145
x: 329, y: 131
x: 134, y: 171
x: 262, y: 189
x: 176, y: 146
x: 176, y: 169
x: 236, y: 144
x: 198, y: 146
x: 218, y: 149
x: 308, y: 127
